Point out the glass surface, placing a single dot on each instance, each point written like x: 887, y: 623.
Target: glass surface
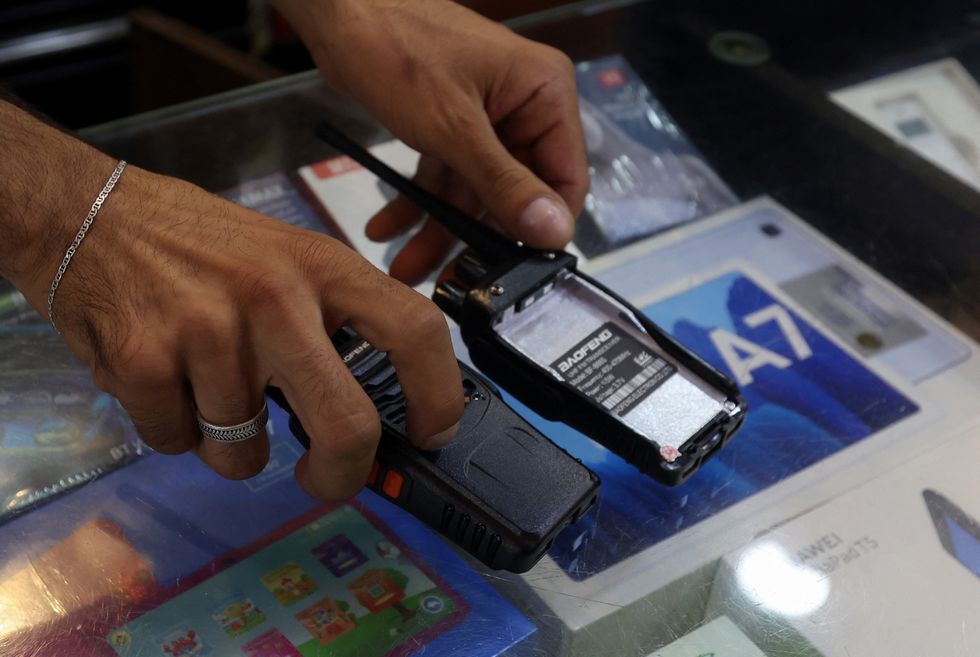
x: 808, y: 179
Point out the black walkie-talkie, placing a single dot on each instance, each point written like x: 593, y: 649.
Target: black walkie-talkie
x: 501, y: 490
x: 572, y: 349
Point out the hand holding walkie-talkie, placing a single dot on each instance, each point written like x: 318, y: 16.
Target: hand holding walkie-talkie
x: 500, y: 489
x: 573, y: 350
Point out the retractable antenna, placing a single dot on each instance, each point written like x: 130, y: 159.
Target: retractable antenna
x: 474, y: 233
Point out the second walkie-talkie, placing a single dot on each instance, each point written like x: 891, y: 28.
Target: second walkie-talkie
x: 500, y: 490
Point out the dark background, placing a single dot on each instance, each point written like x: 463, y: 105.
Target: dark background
x: 84, y: 62
x: 71, y: 58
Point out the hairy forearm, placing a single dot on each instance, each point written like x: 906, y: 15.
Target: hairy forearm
x: 45, y: 178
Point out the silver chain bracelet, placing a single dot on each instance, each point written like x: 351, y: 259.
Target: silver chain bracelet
x: 94, y: 210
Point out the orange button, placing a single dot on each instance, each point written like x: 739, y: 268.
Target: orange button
x: 393, y: 484
x: 373, y: 475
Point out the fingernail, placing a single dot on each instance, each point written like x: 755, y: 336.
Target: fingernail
x: 545, y: 221
x: 440, y: 439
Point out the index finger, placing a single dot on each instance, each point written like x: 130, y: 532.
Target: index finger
x: 413, y: 331
x: 337, y: 415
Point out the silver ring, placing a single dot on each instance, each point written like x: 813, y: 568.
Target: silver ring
x: 235, y: 433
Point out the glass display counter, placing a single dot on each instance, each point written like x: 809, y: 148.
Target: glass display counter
x: 790, y: 192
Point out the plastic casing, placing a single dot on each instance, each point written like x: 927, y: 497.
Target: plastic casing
x: 476, y: 311
x: 500, y: 490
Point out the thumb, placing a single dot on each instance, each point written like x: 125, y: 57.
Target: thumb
x: 522, y: 204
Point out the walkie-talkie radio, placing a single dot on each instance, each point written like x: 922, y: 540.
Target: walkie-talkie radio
x: 501, y: 490
x: 573, y: 350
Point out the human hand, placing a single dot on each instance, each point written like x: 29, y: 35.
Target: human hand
x: 178, y: 298
x: 494, y: 115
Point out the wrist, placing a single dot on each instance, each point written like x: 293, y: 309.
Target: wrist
x: 316, y: 24
x: 340, y: 32
x: 48, y: 181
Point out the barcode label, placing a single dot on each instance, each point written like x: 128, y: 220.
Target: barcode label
x: 613, y: 368
x: 633, y: 384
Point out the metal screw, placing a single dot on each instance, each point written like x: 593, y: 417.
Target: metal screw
x: 549, y: 255
x: 730, y: 406
x: 496, y: 289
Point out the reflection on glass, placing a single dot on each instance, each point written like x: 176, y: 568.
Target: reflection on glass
x: 769, y: 576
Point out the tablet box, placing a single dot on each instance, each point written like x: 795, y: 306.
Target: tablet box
x: 934, y: 109
x: 165, y: 551
x: 277, y: 196
x: 892, y: 567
